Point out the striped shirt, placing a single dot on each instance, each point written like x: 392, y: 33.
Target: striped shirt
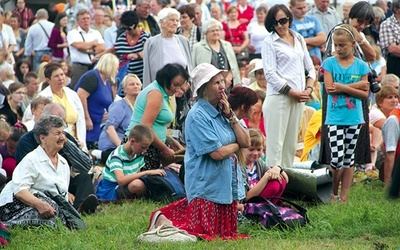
x: 123, y: 47
x: 252, y: 177
x: 119, y: 160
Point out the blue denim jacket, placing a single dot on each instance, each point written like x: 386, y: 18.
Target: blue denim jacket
x: 206, y: 131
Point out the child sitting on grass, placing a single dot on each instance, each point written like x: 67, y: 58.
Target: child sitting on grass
x: 121, y: 176
x: 261, y: 180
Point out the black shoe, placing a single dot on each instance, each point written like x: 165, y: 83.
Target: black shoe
x: 89, y: 205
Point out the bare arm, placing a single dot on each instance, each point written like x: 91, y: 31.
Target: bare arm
x: 338, y: 88
x: 124, y: 180
x: 224, y: 151
x: 389, y: 162
x: 151, y: 111
x: 45, y: 210
x: 394, y: 49
x: 316, y: 41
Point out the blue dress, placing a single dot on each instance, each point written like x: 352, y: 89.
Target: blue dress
x: 99, y: 100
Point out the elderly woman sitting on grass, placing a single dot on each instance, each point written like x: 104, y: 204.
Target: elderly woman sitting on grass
x: 22, y: 201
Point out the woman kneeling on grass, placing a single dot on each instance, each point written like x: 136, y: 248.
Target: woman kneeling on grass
x: 121, y: 176
x: 213, y: 136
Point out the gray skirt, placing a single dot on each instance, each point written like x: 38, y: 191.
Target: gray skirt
x: 17, y: 213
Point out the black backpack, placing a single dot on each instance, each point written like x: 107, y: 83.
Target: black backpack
x: 168, y: 188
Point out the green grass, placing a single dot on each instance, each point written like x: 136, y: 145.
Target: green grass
x: 367, y: 221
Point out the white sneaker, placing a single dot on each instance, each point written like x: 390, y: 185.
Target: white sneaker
x: 166, y: 233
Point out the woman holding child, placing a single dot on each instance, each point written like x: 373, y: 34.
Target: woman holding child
x: 210, y: 209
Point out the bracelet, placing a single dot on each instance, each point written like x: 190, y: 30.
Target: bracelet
x: 281, y: 169
x: 233, y: 120
x: 363, y: 41
x: 309, y: 87
x: 286, y: 90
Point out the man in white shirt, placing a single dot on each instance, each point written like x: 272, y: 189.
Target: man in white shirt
x: 71, y: 9
x: 84, y: 46
x: 38, y: 38
x: 110, y: 34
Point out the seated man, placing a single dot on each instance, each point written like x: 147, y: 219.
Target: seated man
x: 121, y: 176
x: 80, y: 187
x: 391, y: 135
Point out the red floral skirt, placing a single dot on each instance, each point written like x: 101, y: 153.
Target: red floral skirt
x: 204, y: 219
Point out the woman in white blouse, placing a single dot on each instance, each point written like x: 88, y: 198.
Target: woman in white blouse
x: 284, y: 62
x: 257, y: 33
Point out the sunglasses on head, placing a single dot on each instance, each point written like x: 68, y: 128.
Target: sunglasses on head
x: 282, y: 21
x: 131, y: 27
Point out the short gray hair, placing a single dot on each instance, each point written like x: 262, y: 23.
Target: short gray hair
x: 44, y: 124
x: 389, y: 78
x: 54, y: 109
x: 166, y: 12
x: 211, y: 23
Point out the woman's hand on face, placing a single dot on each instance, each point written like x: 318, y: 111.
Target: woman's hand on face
x: 45, y: 210
x: 89, y: 124
x: 168, y: 154
x: 226, y: 107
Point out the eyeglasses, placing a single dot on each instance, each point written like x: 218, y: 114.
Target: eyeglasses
x: 20, y: 93
x: 362, y: 21
x: 282, y: 21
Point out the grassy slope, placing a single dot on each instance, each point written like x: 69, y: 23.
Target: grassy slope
x: 367, y: 221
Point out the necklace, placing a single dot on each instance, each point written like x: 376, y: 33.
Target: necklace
x: 129, y: 102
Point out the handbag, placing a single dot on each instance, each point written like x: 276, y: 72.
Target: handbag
x: 72, y: 216
x: 270, y: 215
x: 243, y: 55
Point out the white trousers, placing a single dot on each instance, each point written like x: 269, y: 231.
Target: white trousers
x: 282, y: 116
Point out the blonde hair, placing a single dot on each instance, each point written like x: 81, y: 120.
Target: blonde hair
x: 125, y: 80
x: 40, y: 72
x: 108, y: 65
x: 5, y: 128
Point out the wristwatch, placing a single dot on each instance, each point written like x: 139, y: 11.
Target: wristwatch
x: 363, y: 41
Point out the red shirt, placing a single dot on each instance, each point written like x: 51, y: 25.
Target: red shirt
x: 234, y: 36
x: 26, y: 16
x: 248, y: 14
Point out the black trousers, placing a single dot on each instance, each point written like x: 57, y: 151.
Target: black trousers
x: 81, y: 186
x: 392, y: 65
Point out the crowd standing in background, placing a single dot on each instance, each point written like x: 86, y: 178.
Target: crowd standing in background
x: 235, y: 83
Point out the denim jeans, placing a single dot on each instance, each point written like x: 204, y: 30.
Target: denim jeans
x: 38, y: 57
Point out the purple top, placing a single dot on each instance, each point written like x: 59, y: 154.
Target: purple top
x: 54, y: 40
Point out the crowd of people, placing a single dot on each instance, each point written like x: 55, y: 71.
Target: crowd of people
x: 243, y: 89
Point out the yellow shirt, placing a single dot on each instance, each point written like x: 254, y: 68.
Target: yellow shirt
x: 145, y: 26
x: 71, y: 116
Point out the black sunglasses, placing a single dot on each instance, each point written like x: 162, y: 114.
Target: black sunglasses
x: 282, y: 21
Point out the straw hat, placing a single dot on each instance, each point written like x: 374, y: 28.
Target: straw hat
x: 202, y: 74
